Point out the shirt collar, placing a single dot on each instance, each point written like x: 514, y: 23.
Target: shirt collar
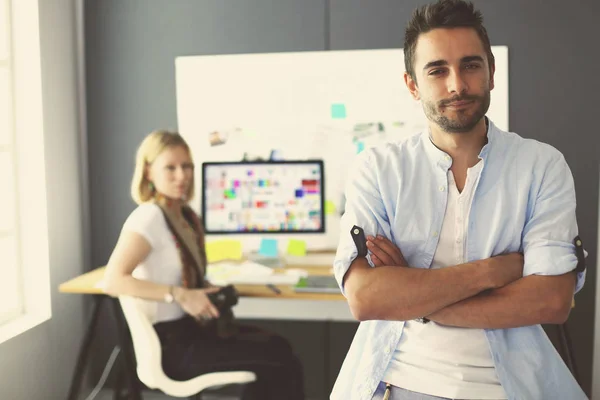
x: 443, y: 160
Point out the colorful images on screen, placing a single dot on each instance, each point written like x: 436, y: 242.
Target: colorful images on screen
x: 246, y: 197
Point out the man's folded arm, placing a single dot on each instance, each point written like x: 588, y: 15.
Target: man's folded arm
x: 388, y: 292
x: 530, y: 300
x: 393, y: 293
x: 545, y: 293
x: 402, y: 293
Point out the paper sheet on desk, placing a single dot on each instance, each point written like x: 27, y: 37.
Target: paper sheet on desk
x: 248, y: 273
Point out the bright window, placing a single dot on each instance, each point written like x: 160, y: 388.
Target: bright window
x: 24, y: 261
x: 11, y: 301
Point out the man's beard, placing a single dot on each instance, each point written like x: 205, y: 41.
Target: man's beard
x: 464, y: 122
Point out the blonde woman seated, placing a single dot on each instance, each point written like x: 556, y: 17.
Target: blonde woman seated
x: 160, y: 257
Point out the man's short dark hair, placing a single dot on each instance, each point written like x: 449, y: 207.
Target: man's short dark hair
x: 443, y: 14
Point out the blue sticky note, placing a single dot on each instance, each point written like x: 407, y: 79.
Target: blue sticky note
x: 360, y: 146
x: 338, y: 111
x: 268, y: 248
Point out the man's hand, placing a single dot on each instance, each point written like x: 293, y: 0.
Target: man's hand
x: 505, y: 269
x: 384, y: 252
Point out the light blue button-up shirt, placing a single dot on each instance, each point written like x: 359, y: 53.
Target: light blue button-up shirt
x: 524, y: 201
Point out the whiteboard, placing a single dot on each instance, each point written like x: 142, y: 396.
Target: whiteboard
x: 327, y: 105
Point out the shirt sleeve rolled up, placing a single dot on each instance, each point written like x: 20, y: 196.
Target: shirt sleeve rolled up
x: 548, y: 234
x: 364, y: 208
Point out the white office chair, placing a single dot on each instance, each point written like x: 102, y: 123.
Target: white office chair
x: 148, y: 355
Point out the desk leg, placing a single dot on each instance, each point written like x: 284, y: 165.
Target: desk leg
x: 84, y: 351
x: 128, y: 358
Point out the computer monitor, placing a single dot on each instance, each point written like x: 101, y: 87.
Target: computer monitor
x: 263, y: 197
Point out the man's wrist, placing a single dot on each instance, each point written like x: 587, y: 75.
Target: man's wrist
x: 491, y: 275
x: 484, y: 273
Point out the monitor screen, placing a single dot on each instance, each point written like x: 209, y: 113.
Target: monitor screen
x: 263, y: 197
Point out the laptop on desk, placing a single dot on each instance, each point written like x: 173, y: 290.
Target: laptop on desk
x: 317, y: 284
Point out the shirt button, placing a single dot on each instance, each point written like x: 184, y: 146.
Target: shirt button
x: 447, y: 158
x: 442, y: 188
x: 435, y: 234
x: 387, y: 352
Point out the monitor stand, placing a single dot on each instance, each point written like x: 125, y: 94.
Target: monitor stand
x: 267, y: 261
x: 317, y: 258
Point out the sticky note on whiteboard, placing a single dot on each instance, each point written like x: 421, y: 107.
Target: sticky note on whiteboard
x: 338, y: 111
x: 296, y: 247
x: 219, y: 250
x: 329, y: 207
x: 360, y: 146
x: 268, y: 248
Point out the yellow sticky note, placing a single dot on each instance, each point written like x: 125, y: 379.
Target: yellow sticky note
x: 213, y: 252
x: 329, y: 207
x: 234, y: 249
x: 219, y: 250
x: 296, y: 247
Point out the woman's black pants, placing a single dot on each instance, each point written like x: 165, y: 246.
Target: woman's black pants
x: 189, y: 351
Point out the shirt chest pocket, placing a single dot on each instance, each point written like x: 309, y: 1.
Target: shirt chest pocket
x: 412, y: 232
x: 497, y: 221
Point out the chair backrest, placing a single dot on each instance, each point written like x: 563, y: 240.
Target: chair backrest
x: 148, y: 353
x: 146, y: 344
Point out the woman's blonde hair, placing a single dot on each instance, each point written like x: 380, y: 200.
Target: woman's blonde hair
x: 150, y: 148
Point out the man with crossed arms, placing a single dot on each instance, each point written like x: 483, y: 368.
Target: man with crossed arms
x: 470, y: 231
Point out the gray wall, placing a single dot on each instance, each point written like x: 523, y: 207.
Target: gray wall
x: 38, y: 364
x: 131, y: 46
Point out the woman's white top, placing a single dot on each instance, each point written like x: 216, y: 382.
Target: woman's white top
x: 163, y: 264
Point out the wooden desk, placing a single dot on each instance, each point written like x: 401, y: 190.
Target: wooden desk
x: 90, y: 283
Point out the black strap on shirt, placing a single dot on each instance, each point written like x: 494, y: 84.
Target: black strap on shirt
x: 358, y: 235
x: 580, y: 255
